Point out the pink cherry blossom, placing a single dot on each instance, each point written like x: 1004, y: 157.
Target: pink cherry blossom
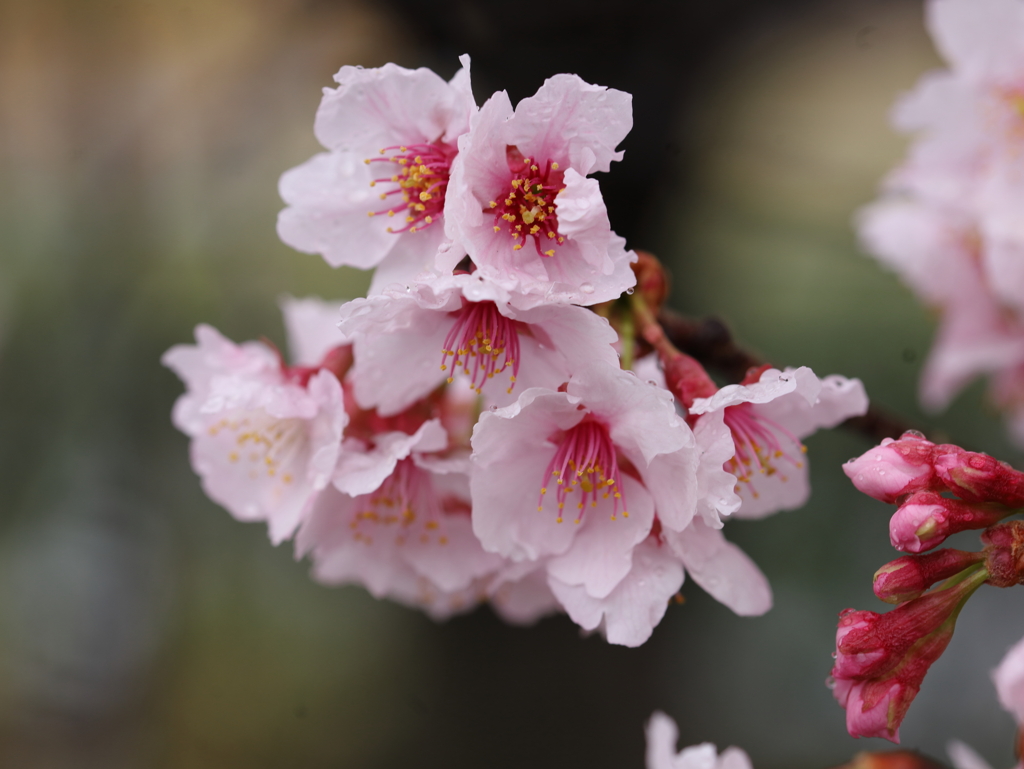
x: 265, y: 438
x: 949, y: 220
x: 602, y: 456
x: 402, y: 526
x: 662, y: 736
x: 377, y: 196
x: 940, y: 252
x: 408, y: 341
x: 520, y: 201
x: 768, y: 419
x: 1009, y: 680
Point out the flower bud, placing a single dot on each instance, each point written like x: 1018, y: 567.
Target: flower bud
x: 977, y: 477
x: 925, y: 520
x: 881, y: 659
x: 893, y: 468
x: 896, y: 759
x: 1004, y: 554
x: 686, y: 379
x: 651, y: 280
x: 908, y: 577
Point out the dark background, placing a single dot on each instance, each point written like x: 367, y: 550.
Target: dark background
x: 141, y: 626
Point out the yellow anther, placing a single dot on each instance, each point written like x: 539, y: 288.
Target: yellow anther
x: 625, y: 514
x: 550, y: 253
x: 496, y: 227
x: 429, y: 220
x: 558, y: 519
x: 517, y: 246
x: 494, y: 204
x: 554, y: 166
x: 369, y: 213
x: 533, y: 168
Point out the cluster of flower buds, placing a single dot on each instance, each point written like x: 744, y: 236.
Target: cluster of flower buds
x: 467, y: 431
x: 881, y: 659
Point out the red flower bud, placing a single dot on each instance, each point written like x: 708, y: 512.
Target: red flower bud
x: 651, y: 280
x: 908, y: 577
x: 925, y: 520
x: 881, y: 659
x: 896, y: 759
x: 1004, y: 554
x: 686, y: 379
x: 978, y: 477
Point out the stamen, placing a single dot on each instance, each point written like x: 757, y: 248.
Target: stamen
x: 585, y: 460
x: 485, y: 337
x: 529, y: 199
x: 406, y: 505
x: 422, y: 181
x: 760, y: 444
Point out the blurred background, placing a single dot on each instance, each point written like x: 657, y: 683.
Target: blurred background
x: 140, y: 146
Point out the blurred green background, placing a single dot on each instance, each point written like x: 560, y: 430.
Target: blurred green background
x: 141, y: 626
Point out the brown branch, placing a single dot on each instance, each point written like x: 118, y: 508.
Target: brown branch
x: 711, y: 343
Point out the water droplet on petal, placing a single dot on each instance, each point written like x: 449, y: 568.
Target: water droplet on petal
x: 587, y: 288
x: 629, y: 291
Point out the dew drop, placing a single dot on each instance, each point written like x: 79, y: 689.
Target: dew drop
x: 587, y: 288
x: 629, y: 291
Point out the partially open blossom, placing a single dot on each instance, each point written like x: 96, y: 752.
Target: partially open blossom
x: 520, y: 200
x: 881, y: 659
x: 409, y: 341
x: 265, y: 437
x: 768, y: 419
x: 662, y: 736
x: 894, y: 468
x: 926, y: 518
x: 377, y: 196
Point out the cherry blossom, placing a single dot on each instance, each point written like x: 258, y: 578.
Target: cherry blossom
x: 410, y: 340
x: 265, y: 437
x: 768, y: 419
x: 603, y: 456
x: 662, y: 736
x: 949, y: 219
x: 377, y: 197
x: 520, y: 200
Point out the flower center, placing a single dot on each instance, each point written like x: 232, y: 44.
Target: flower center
x: 420, y: 180
x: 759, y: 449
x: 585, y: 461
x: 528, y: 206
x: 264, y: 445
x: 405, y: 504
x: 483, y: 342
